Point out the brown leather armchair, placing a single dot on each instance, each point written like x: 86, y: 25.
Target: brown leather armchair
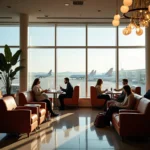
x: 75, y: 98
x: 133, y: 122
x: 136, y: 90
x: 28, y: 98
x: 17, y: 119
x: 95, y: 102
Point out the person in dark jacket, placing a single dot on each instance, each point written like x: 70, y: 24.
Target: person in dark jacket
x: 68, y: 93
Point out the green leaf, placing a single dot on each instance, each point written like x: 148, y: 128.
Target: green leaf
x: 3, y: 63
x: 15, y: 57
x: 13, y: 73
x: 8, y: 54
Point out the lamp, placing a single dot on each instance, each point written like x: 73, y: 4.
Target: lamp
x: 138, y: 11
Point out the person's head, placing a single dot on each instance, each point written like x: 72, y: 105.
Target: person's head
x: 99, y: 82
x: 36, y: 82
x: 124, y: 81
x: 127, y: 89
x: 66, y: 80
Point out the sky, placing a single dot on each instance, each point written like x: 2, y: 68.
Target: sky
x: 73, y: 59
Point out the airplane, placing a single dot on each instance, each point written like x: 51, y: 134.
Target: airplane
x: 106, y: 76
x: 44, y: 75
x: 81, y: 76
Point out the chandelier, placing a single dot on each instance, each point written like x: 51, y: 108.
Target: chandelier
x: 138, y: 11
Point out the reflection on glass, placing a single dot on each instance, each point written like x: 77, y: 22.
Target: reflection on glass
x: 101, y: 36
x: 41, y: 65
x: 132, y: 67
x: 101, y: 65
x: 71, y: 63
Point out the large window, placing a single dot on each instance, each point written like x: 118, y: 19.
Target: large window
x: 101, y: 36
x: 71, y: 35
x: 132, y: 67
x: 71, y: 63
x: 132, y: 39
x: 82, y: 49
x: 9, y: 35
x: 15, y: 82
x: 41, y: 36
x: 101, y: 65
x: 41, y: 65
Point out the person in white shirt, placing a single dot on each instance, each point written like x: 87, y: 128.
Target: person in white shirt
x: 41, y: 96
x: 128, y: 103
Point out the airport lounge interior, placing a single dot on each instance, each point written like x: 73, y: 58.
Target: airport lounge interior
x: 86, y: 90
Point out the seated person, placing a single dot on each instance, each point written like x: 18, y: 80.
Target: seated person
x: 128, y: 103
x: 100, y: 92
x: 41, y: 96
x: 68, y: 91
x: 121, y: 97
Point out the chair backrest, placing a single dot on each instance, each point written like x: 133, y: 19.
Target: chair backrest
x: 138, y: 98
x: 25, y: 97
x: 76, y: 93
x: 136, y: 90
x: 7, y: 103
x: 144, y: 106
x: 93, y: 92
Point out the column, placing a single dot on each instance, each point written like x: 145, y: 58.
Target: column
x: 147, y: 44
x: 24, y: 54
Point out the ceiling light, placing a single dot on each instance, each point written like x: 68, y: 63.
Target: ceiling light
x: 66, y: 4
x: 139, y: 15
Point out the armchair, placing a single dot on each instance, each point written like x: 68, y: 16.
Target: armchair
x: 95, y: 102
x: 75, y: 98
x: 28, y: 98
x: 17, y: 119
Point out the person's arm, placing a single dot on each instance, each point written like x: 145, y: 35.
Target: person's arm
x: 130, y: 104
x: 37, y: 90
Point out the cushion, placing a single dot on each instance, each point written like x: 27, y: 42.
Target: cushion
x: 42, y: 112
x: 34, y: 118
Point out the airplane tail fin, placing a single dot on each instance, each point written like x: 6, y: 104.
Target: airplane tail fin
x: 94, y: 73
x: 109, y: 73
x: 50, y: 72
x: 91, y: 72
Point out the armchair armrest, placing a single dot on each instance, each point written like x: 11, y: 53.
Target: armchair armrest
x: 128, y: 110
x: 43, y: 104
x: 132, y: 120
x: 18, y: 116
x: 33, y: 109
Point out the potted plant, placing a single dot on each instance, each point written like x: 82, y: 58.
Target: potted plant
x: 7, y: 73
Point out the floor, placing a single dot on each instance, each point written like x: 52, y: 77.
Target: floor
x: 72, y: 130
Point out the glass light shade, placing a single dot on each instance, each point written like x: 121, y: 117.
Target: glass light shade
x: 127, y: 2
x: 139, y: 31
x: 127, y: 31
x: 149, y: 8
x: 132, y: 25
x: 147, y: 16
x: 117, y: 17
x: 115, y: 23
x: 124, y: 9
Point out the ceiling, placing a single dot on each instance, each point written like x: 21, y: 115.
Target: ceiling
x: 56, y: 11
